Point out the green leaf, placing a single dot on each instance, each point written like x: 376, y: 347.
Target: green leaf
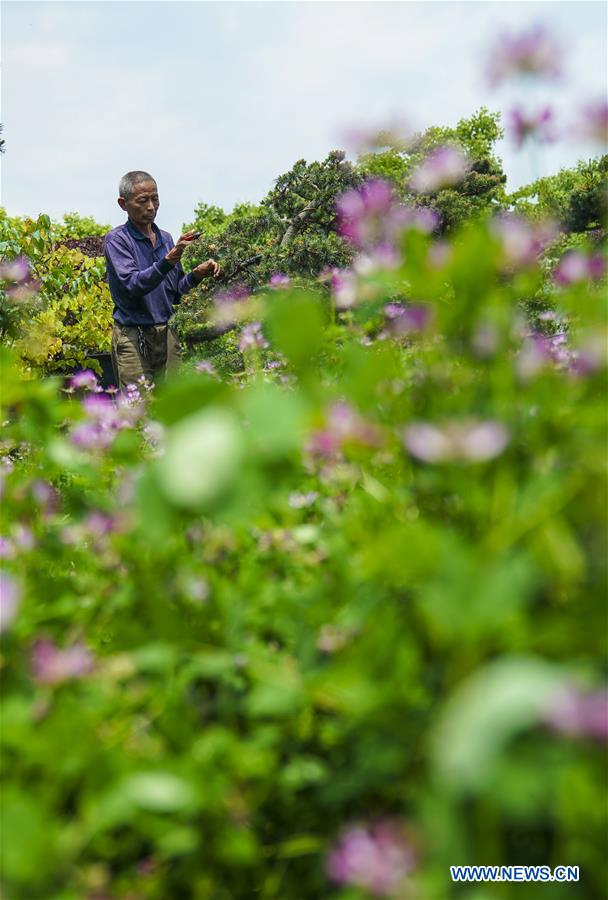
x: 202, y: 458
x: 485, y: 713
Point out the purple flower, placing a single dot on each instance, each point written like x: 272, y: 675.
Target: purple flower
x: 100, y: 408
x: 575, y: 267
x: 23, y: 537
x: 520, y: 241
x: 589, y: 357
x: 230, y: 306
x: 381, y: 257
x: 273, y: 364
x: 371, y: 216
x: 279, y: 280
x: 23, y: 293
x: 442, y: 168
x: 580, y: 713
x: 409, y: 319
x: 236, y: 293
x: 98, y: 524
x: 374, y: 857
x: 534, y: 52
x: 45, y: 496
x: 52, y: 666
x: 537, y: 126
x: 343, y: 285
x: 343, y: 425
x: 17, y: 270
x: 540, y: 350
x: 299, y: 500
x: 91, y: 436
x: 7, y: 548
x: 86, y: 380
x: 252, y: 338
x: 421, y: 218
x: 593, y: 123
x: 205, y: 366
x: 466, y: 441
x: 393, y: 310
x: 10, y: 600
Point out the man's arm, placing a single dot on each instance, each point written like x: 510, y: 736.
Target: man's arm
x: 133, y: 280
x: 187, y: 282
x: 140, y: 281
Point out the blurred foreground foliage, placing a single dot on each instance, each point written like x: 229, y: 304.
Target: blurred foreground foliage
x: 362, y: 584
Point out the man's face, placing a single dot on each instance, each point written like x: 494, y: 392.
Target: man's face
x: 143, y: 205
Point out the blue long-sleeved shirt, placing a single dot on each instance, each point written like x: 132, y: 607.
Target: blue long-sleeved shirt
x: 143, y: 285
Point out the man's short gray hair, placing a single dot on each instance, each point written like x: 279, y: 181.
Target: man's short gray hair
x: 128, y: 182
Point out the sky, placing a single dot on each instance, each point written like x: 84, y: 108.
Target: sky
x: 217, y: 99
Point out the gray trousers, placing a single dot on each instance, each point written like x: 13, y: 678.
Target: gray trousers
x: 150, y: 350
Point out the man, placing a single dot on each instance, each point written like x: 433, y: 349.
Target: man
x: 146, y: 281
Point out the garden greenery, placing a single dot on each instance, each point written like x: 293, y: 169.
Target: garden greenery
x: 328, y: 621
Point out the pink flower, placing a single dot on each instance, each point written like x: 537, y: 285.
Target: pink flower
x: 521, y: 242
x: 236, y: 293
x: 343, y: 425
x: 279, y: 280
x: 541, y: 350
x: 575, y: 267
x: 17, y: 270
x: 10, y: 600
x: 98, y: 523
x: 373, y: 857
x: 343, y: 283
x: 381, y: 257
x: 371, y: 216
x: 205, y: 366
x: 421, y: 218
x: 442, y: 168
x: 580, y: 713
x: 91, y: 436
x: 593, y: 123
x: 230, y: 306
x: 534, y: 52
x: 538, y: 126
x: 53, y: 666
x: 466, y: 441
x: 252, y: 338
x: 404, y: 320
x: 86, y: 380
x: 7, y: 548
x: 23, y: 537
x: 45, y: 496
x: 273, y: 364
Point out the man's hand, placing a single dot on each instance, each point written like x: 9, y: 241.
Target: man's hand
x: 211, y: 267
x: 175, y: 253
